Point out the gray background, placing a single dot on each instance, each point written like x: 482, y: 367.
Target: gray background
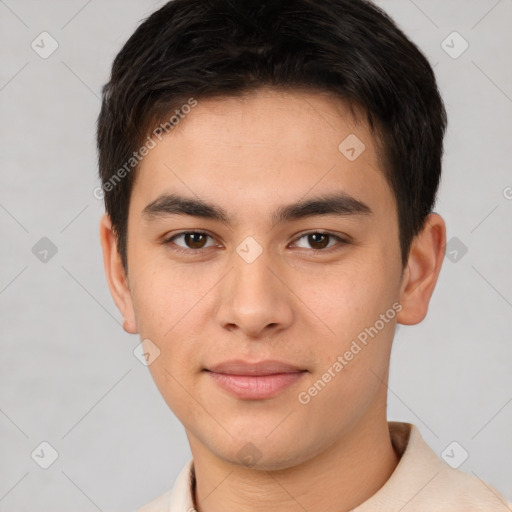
x: 68, y: 375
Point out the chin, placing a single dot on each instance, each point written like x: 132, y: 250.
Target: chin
x: 262, y: 455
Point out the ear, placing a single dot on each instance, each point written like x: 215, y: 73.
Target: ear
x: 423, y: 266
x: 116, y: 276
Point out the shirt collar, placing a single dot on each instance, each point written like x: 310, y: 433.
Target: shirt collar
x: 183, y: 491
x: 420, y: 481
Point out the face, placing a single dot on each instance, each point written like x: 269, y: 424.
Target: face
x: 248, y: 278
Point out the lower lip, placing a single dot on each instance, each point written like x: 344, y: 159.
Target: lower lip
x: 255, y: 387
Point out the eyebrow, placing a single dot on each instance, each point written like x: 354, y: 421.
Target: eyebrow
x: 340, y: 204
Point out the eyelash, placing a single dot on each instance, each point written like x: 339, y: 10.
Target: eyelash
x: 341, y: 241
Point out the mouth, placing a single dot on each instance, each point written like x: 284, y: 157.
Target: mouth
x: 254, y: 381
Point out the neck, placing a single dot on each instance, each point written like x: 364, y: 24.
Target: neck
x: 354, y: 468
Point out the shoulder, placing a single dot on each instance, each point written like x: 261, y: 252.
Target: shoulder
x: 177, y: 499
x: 460, y: 491
x: 423, y: 482
x: 455, y: 489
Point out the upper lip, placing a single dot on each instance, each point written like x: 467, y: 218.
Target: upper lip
x: 240, y: 367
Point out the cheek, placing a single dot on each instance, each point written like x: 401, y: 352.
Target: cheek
x: 177, y: 392
x: 352, y: 363
x: 163, y: 296
x: 358, y: 303
x: 352, y: 296
x: 163, y: 303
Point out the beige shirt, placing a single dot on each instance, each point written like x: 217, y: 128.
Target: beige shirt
x: 421, y: 482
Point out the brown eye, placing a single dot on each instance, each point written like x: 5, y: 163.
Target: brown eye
x: 319, y: 241
x: 195, y: 240
x: 190, y: 240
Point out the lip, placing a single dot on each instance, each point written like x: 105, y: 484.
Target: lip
x: 241, y: 367
x: 254, y: 381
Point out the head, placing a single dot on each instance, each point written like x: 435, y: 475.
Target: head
x: 242, y: 120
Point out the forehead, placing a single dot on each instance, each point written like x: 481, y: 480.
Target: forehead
x: 267, y: 146
x: 271, y: 116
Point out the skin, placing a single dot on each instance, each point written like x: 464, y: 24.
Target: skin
x: 251, y: 155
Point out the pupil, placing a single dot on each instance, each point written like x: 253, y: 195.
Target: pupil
x: 321, y: 236
x: 194, y: 237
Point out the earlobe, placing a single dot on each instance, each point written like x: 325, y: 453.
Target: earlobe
x: 423, y: 267
x: 116, y: 276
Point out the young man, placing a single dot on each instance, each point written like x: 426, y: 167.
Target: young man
x: 269, y: 170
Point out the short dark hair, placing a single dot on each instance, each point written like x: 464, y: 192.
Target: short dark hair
x: 217, y: 48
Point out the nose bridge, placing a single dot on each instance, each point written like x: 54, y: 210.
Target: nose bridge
x: 252, y: 297
x: 252, y: 279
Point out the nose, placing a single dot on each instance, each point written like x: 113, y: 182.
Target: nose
x: 254, y: 297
